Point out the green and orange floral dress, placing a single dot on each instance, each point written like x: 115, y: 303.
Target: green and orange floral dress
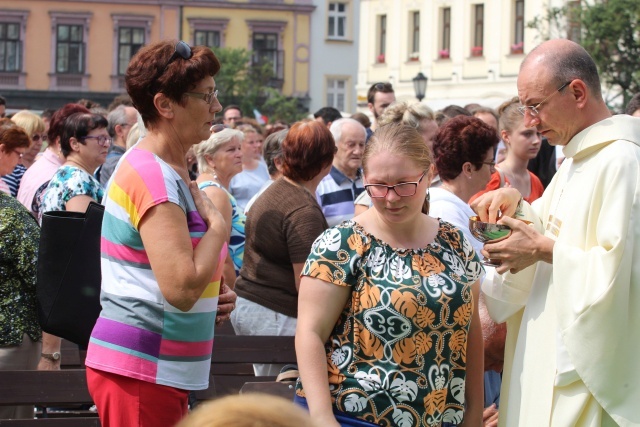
x: 397, y: 355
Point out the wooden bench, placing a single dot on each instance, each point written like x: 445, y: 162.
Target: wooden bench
x: 231, y: 369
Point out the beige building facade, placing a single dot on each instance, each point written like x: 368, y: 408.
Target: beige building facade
x: 54, y: 52
x: 470, y: 50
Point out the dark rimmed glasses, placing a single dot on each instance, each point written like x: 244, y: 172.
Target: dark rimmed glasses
x: 102, y: 140
x: 181, y: 50
x: 404, y: 189
x: 207, y: 97
x: 492, y: 165
x: 37, y: 137
x: 533, y: 109
x: 18, y: 153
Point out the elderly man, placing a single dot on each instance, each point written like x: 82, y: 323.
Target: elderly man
x: 121, y: 119
x: 379, y: 97
x: 337, y: 191
x: 572, y: 354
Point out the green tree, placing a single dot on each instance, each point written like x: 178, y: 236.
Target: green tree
x: 249, y: 86
x: 610, y: 31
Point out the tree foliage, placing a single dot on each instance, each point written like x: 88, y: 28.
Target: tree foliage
x: 610, y: 31
x: 250, y: 87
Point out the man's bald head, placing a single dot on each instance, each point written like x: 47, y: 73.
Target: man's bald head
x: 564, y: 60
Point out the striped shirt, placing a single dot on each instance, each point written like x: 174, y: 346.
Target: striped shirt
x: 139, y: 334
x: 336, y: 193
x: 14, y: 178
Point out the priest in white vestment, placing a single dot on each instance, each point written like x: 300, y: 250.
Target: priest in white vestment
x: 571, y: 289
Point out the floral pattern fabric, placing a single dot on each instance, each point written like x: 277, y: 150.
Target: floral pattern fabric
x: 68, y: 182
x: 397, y: 355
x: 19, y: 239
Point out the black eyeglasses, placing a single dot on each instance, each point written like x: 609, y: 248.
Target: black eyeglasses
x: 18, y: 153
x: 492, y: 165
x: 383, y: 87
x: 182, y: 50
x: 102, y: 140
x: 404, y: 189
x: 37, y: 137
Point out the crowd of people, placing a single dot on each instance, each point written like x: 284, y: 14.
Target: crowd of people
x: 349, y: 233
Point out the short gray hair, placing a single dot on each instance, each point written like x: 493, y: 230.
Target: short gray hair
x: 117, y: 116
x: 336, y: 128
x: 210, y: 146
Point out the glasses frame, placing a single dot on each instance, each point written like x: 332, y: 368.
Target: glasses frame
x: 533, y: 109
x: 206, y: 97
x: 106, y: 140
x: 40, y: 137
x: 393, y: 187
x: 20, y: 155
x: 492, y: 165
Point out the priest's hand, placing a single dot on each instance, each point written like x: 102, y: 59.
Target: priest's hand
x: 501, y: 202
x: 525, y: 246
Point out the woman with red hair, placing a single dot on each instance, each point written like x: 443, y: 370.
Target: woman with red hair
x: 281, y: 227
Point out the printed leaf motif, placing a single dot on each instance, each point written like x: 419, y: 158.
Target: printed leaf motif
x: 455, y: 263
x: 462, y: 315
x: 423, y: 343
x: 435, y: 401
x: 402, y: 418
x: 356, y: 244
x: 405, y: 303
x: 398, y: 268
x: 376, y: 259
x: 321, y: 271
x: 330, y: 240
x: 371, y: 344
x: 453, y: 416
x: 424, y: 317
x: 458, y: 340
x: 404, y: 391
x: 457, y: 389
x: 404, y: 352
x: 341, y: 355
x: 369, y: 382
x: 427, y: 264
x: 439, y: 382
x: 369, y: 296
x: 354, y: 403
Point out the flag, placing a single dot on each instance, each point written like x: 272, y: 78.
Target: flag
x: 261, y: 118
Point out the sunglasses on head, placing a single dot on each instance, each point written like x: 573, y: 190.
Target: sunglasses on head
x: 181, y: 50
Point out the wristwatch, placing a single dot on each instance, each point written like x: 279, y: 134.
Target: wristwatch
x: 55, y: 356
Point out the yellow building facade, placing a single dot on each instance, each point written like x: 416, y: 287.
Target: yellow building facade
x: 54, y: 52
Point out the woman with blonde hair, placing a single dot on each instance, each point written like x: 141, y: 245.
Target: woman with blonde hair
x: 33, y: 125
x: 254, y: 172
x: 418, y: 116
x: 220, y: 159
x: 388, y: 333
x: 523, y: 144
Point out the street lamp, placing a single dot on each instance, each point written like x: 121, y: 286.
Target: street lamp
x: 420, y: 85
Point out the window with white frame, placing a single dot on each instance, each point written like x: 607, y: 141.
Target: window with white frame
x: 518, y: 36
x: 445, y: 35
x: 208, y: 32
x: 337, y: 93
x: 10, y: 47
x: 337, y: 20
x: 382, y: 38
x: 70, y: 37
x: 478, y: 30
x: 130, y: 40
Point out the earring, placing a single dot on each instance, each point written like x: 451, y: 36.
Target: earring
x: 428, y: 196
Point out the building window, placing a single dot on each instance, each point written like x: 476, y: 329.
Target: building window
x: 445, y: 36
x: 518, y: 33
x: 10, y: 47
x: 265, y: 49
x: 337, y: 21
x: 336, y: 93
x: 382, y: 39
x: 130, y: 40
x: 210, y: 39
x: 415, y: 36
x: 478, y: 30
x: 70, y: 49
